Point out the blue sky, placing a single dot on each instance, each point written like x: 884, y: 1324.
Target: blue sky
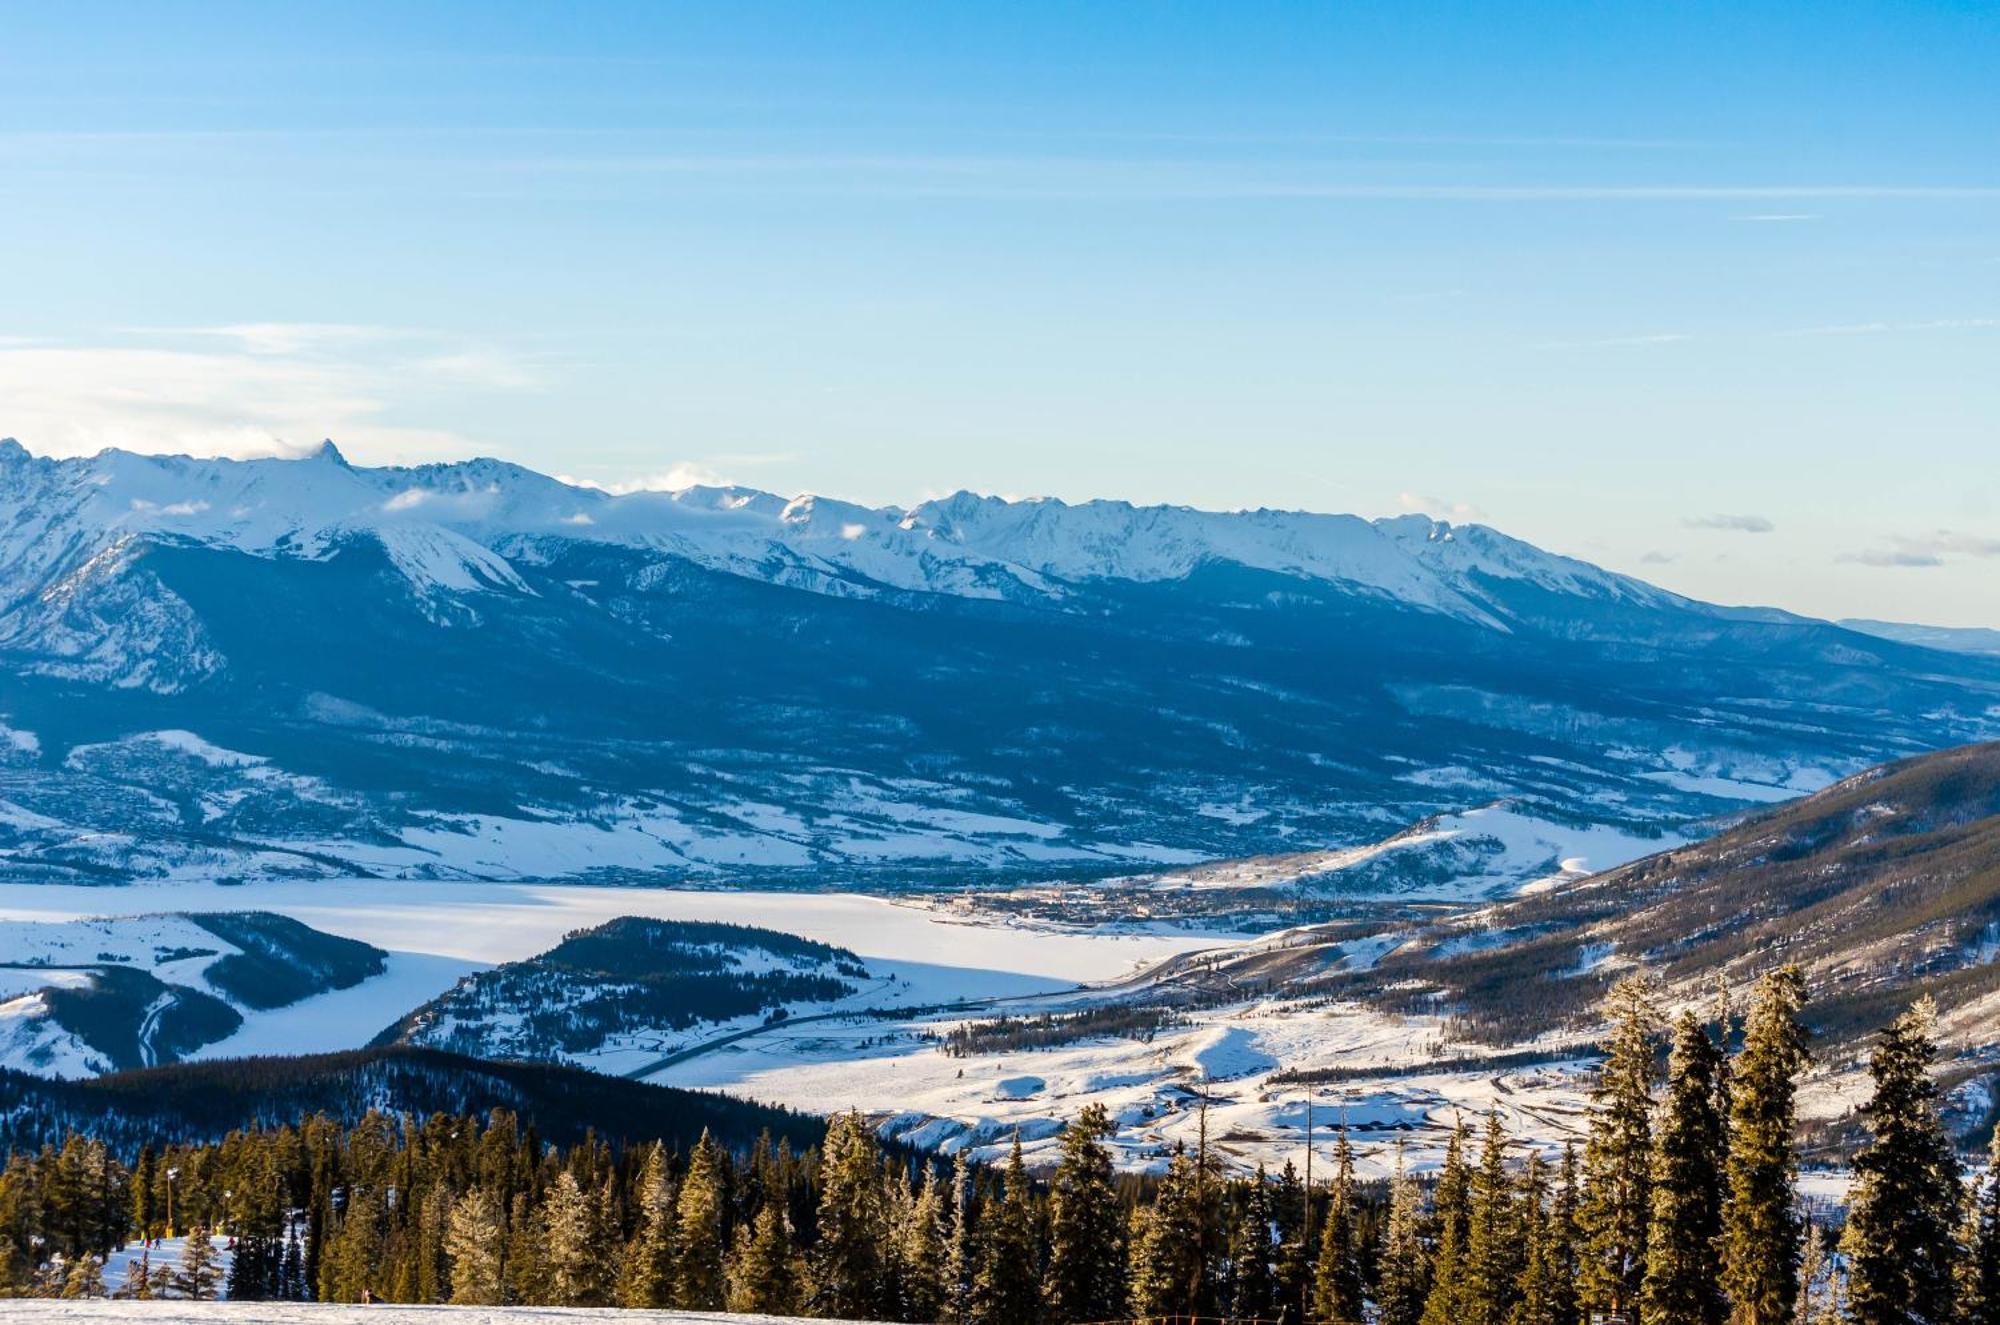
x: 1709, y: 293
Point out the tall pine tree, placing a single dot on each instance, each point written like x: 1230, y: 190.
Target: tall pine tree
x: 1451, y: 1218
x: 647, y: 1277
x: 1618, y: 1156
x: 845, y: 1266
x: 1903, y: 1214
x: 1405, y: 1262
x: 1086, y: 1280
x: 1008, y: 1288
x: 1337, y: 1277
x: 1979, y: 1272
x: 1495, y: 1240
x: 472, y: 1243
x: 764, y: 1271
x: 1167, y: 1269
x: 1761, y: 1240
x: 1682, y: 1284
x: 699, y: 1235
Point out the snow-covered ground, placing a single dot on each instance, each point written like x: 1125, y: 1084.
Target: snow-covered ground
x: 118, y: 1265
x: 65, y: 952
x: 1491, y: 851
x: 437, y: 932
x: 1153, y: 1090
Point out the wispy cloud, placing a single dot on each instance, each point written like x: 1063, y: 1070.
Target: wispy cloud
x: 1734, y: 524
x: 1890, y: 557
x: 1657, y: 558
x: 1439, y: 506
x: 1879, y: 328
x: 675, y: 477
x: 244, y: 390
x: 1924, y: 550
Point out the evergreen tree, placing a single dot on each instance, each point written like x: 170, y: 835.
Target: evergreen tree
x: 1979, y: 1271
x: 472, y: 1244
x: 1815, y: 1288
x: 763, y: 1272
x: 1337, y: 1277
x: 1086, y: 1279
x: 433, y: 1266
x: 141, y: 1189
x: 844, y: 1275
x: 576, y: 1263
x: 1451, y: 1217
x: 292, y: 1268
x: 1563, y: 1232
x: 1903, y: 1213
x: 351, y: 1265
x: 1295, y: 1258
x: 1495, y: 1247
x: 1007, y: 1289
x: 1167, y: 1271
x: 922, y: 1252
x: 197, y: 1277
x: 523, y: 1265
x: 647, y: 1278
x: 698, y: 1230
x: 1405, y: 1279
x: 85, y: 1277
x: 1761, y: 1240
x: 1618, y: 1155
x: 959, y: 1248
x: 1253, y: 1277
x: 1536, y: 1296
x: 1682, y: 1284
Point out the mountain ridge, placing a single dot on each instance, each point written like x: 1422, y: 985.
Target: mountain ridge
x: 964, y: 544
x: 242, y: 669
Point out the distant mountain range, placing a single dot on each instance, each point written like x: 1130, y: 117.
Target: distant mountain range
x: 1952, y: 639
x: 263, y: 668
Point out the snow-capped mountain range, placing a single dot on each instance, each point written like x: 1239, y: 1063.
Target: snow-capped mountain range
x: 244, y: 667
x: 451, y: 530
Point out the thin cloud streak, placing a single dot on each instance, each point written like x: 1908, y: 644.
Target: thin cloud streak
x: 1925, y: 550
x: 1734, y: 524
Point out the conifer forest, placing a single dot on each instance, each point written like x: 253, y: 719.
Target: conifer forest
x: 1679, y: 1206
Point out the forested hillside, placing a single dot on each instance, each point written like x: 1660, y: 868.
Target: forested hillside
x: 629, y: 977
x: 1882, y: 886
x: 1682, y: 1208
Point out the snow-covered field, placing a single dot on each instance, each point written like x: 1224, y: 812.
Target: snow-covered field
x: 1155, y: 1091
x: 438, y: 932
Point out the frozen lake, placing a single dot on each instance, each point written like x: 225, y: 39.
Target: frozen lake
x: 437, y: 932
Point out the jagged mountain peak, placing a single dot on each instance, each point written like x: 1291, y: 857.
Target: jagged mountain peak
x: 965, y: 544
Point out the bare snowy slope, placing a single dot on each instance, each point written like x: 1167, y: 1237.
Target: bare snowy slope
x: 82, y: 997
x: 229, y: 669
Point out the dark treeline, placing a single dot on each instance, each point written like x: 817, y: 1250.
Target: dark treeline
x: 1050, y: 1030
x: 1680, y: 1208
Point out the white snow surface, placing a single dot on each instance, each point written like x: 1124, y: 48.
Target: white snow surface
x: 43, y: 953
x: 1492, y: 851
x: 436, y: 933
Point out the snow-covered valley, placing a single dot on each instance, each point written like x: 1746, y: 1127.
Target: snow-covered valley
x: 286, y: 669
